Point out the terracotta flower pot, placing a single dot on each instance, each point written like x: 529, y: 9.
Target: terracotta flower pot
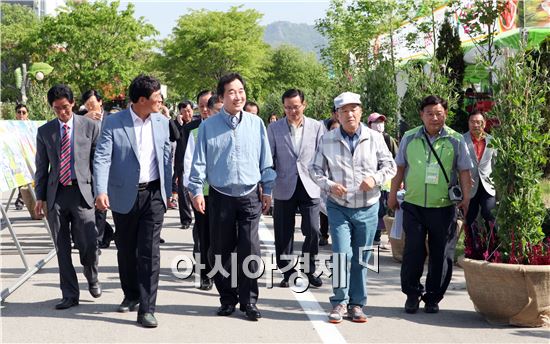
x: 398, y: 245
x: 509, y: 293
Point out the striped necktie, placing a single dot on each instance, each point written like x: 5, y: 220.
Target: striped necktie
x: 65, y: 163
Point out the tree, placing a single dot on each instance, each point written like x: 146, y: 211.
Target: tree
x: 205, y: 45
x: 93, y: 45
x: 480, y: 19
x: 449, y: 50
x: 18, y: 23
x: 289, y: 67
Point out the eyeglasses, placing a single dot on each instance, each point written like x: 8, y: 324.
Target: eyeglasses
x: 23, y: 112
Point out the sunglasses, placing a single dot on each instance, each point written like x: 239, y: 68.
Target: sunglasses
x: 22, y: 112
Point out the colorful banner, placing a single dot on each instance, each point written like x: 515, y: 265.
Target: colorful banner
x: 17, y: 153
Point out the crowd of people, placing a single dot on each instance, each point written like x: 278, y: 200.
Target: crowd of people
x: 225, y: 168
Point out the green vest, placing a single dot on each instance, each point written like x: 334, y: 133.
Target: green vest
x: 205, y: 187
x: 419, y: 156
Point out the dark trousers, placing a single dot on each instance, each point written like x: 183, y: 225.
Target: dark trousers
x: 284, y: 216
x: 234, y: 226
x: 382, y: 211
x: 105, y: 232
x: 323, y: 220
x: 481, y: 200
x: 137, y: 241
x: 184, y: 203
x: 69, y: 217
x: 201, y: 237
x: 440, y: 226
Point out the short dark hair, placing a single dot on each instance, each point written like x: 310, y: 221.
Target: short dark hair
x: 226, y: 79
x: 433, y: 100
x: 293, y: 92
x: 478, y: 112
x: 89, y: 94
x: 19, y: 106
x: 184, y: 104
x: 333, y: 108
x: 252, y: 104
x: 143, y: 86
x: 214, y: 98
x: 202, y: 93
x: 60, y: 91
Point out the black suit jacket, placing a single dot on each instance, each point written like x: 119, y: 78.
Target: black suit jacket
x: 181, y: 145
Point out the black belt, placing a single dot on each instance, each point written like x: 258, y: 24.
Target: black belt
x: 72, y: 182
x: 149, y: 185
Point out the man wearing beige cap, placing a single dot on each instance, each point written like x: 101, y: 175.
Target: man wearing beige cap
x: 351, y: 164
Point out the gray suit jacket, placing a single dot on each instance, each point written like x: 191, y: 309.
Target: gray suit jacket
x: 482, y: 169
x: 116, y: 164
x: 290, y: 165
x: 48, y: 151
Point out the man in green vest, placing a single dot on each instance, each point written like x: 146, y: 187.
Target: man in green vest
x: 432, y: 160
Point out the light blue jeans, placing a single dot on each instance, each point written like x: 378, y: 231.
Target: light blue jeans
x: 352, y: 231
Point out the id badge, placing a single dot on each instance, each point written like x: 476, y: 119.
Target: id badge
x: 432, y: 173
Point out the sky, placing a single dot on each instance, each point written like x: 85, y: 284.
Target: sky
x: 163, y: 14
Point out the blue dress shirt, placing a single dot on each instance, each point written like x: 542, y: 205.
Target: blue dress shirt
x: 232, y: 161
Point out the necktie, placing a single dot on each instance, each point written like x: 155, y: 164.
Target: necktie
x: 234, y: 122
x: 65, y: 163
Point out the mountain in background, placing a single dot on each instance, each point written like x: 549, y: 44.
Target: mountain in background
x: 303, y: 36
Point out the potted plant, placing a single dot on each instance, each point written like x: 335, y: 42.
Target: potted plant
x: 507, y: 266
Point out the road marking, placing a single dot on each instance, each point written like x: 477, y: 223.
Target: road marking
x: 318, y: 317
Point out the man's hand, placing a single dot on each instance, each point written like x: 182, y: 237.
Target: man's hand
x: 367, y: 184
x: 95, y: 115
x: 266, y: 203
x: 392, y: 201
x: 38, y: 209
x: 102, y: 202
x: 199, y: 204
x: 338, y: 190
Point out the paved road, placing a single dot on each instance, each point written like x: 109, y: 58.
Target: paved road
x: 187, y: 314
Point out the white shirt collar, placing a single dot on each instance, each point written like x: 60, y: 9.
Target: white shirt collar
x: 137, y: 118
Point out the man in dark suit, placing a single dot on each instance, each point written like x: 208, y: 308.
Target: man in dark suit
x: 132, y: 176
x: 93, y: 102
x: 185, y: 109
x: 293, y: 141
x: 64, y: 151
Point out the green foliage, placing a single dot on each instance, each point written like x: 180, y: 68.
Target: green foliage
x: 39, y: 109
x: 522, y: 151
x: 205, y: 45
x: 18, y: 23
x: 289, y: 67
x: 93, y: 45
x: 449, y: 50
x: 420, y: 85
x: 380, y: 95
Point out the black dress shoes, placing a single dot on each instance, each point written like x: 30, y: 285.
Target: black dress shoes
x: 128, y: 305
x: 412, y: 304
x: 251, y: 311
x: 147, y: 320
x: 284, y: 283
x: 95, y: 289
x: 323, y: 241
x: 66, y: 302
x: 206, y: 284
x: 314, y: 280
x: 226, y: 310
x: 431, y: 307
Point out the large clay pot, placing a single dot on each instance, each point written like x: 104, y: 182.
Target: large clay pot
x: 509, y: 293
x: 398, y: 245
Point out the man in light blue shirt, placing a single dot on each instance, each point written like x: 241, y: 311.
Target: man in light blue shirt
x: 232, y: 155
